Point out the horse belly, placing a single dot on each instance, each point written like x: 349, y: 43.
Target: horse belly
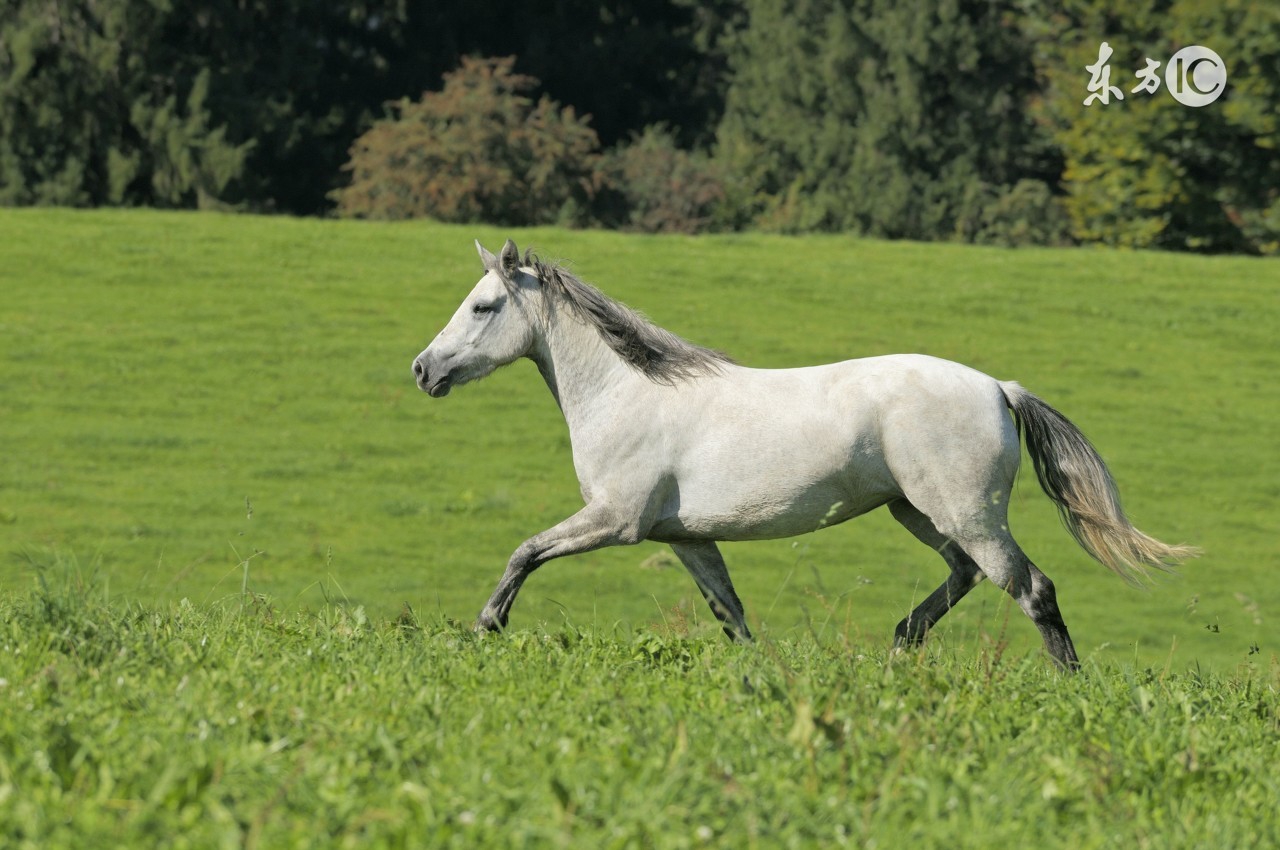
x: 761, y: 519
x: 767, y: 494
x: 775, y: 454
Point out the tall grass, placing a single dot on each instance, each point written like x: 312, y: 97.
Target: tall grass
x: 128, y: 725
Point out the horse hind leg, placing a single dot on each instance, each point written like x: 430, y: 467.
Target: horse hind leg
x: 1042, y: 608
x: 1007, y: 565
x: 964, y: 576
x: 705, y: 563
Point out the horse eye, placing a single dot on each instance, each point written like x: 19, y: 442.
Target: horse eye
x: 481, y: 309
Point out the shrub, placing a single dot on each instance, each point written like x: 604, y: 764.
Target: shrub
x: 659, y: 188
x: 1026, y: 213
x: 480, y: 149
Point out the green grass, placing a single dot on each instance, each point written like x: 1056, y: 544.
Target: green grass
x: 190, y: 403
x: 239, y: 726
x: 219, y: 488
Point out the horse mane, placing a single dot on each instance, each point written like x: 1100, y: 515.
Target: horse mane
x: 655, y: 352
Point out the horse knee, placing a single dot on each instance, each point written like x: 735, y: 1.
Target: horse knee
x: 526, y: 558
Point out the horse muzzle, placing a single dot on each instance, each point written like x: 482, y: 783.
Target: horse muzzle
x: 436, y: 386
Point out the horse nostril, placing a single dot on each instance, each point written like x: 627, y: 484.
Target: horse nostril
x: 418, y: 371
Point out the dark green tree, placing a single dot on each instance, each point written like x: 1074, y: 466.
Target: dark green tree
x: 298, y: 80
x: 187, y: 102
x: 888, y: 118
x: 81, y: 123
x: 1148, y: 171
x: 626, y: 63
x: 255, y: 103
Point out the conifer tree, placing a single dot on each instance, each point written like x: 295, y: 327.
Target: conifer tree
x: 1148, y: 171
x: 892, y: 119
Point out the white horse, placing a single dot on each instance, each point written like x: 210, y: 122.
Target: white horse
x: 675, y: 443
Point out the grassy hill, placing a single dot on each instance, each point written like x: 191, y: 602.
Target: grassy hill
x: 191, y: 403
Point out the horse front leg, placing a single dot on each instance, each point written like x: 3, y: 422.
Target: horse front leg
x: 706, y: 565
x: 594, y: 527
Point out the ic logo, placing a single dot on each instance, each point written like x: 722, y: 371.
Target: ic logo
x: 1196, y: 76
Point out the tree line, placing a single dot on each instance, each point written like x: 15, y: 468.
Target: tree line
x: 942, y: 119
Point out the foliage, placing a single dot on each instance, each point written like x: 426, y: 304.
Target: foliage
x: 190, y: 400
x: 256, y: 104
x: 297, y: 79
x: 82, y: 122
x: 191, y: 102
x: 226, y: 726
x: 1148, y: 171
x: 662, y: 188
x: 628, y: 65
x: 480, y: 149
x: 1027, y: 213
x: 877, y: 116
x: 946, y: 119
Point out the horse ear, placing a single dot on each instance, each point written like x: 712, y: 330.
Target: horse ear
x: 489, y: 260
x: 510, y: 258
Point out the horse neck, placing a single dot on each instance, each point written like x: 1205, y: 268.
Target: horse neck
x: 580, y: 369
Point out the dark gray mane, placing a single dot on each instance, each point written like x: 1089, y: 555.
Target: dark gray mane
x: 659, y: 354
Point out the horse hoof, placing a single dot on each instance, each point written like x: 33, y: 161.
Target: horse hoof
x: 487, y: 623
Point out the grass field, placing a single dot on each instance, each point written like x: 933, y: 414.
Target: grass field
x: 241, y: 727
x: 241, y: 551
x: 191, y: 404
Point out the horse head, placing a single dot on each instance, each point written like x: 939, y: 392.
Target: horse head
x: 495, y: 325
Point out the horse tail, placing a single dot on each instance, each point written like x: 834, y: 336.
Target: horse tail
x: 1078, y: 482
